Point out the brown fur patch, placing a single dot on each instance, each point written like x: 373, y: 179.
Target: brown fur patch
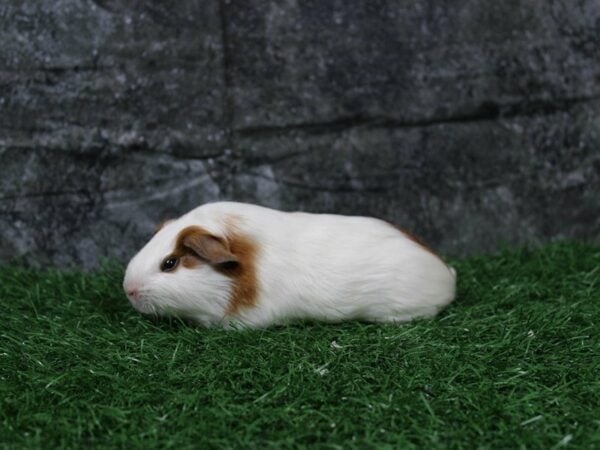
x: 243, y: 274
x: 161, y: 225
x: 242, y: 271
x: 417, y: 241
x: 245, y: 281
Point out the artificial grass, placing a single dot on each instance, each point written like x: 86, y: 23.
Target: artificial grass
x: 513, y: 363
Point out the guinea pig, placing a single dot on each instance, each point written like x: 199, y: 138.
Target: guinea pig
x: 234, y: 264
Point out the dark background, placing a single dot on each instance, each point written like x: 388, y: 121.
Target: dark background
x: 468, y: 122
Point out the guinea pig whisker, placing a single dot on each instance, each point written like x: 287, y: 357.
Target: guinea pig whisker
x: 222, y: 320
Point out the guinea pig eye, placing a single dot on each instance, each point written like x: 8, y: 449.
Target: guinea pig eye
x: 169, y: 263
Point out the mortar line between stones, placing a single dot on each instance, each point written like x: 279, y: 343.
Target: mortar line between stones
x: 228, y: 164
x: 485, y: 112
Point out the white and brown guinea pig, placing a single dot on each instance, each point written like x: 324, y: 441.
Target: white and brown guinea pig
x: 231, y: 264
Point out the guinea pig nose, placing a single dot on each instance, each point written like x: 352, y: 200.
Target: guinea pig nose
x: 131, y: 289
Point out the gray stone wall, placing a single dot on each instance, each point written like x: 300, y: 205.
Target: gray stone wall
x: 469, y: 122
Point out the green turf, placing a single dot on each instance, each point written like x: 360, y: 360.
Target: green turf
x: 513, y: 363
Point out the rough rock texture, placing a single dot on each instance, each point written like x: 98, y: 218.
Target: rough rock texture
x: 470, y: 123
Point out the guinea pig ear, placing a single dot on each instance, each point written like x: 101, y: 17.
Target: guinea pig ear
x: 211, y: 248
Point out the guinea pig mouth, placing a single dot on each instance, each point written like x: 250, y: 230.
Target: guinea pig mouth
x: 142, y: 304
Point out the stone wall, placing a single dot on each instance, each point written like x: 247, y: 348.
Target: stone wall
x: 468, y: 122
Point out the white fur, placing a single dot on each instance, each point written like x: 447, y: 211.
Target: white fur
x: 309, y: 266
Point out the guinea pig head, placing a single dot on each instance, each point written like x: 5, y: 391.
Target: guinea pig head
x: 189, y: 272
